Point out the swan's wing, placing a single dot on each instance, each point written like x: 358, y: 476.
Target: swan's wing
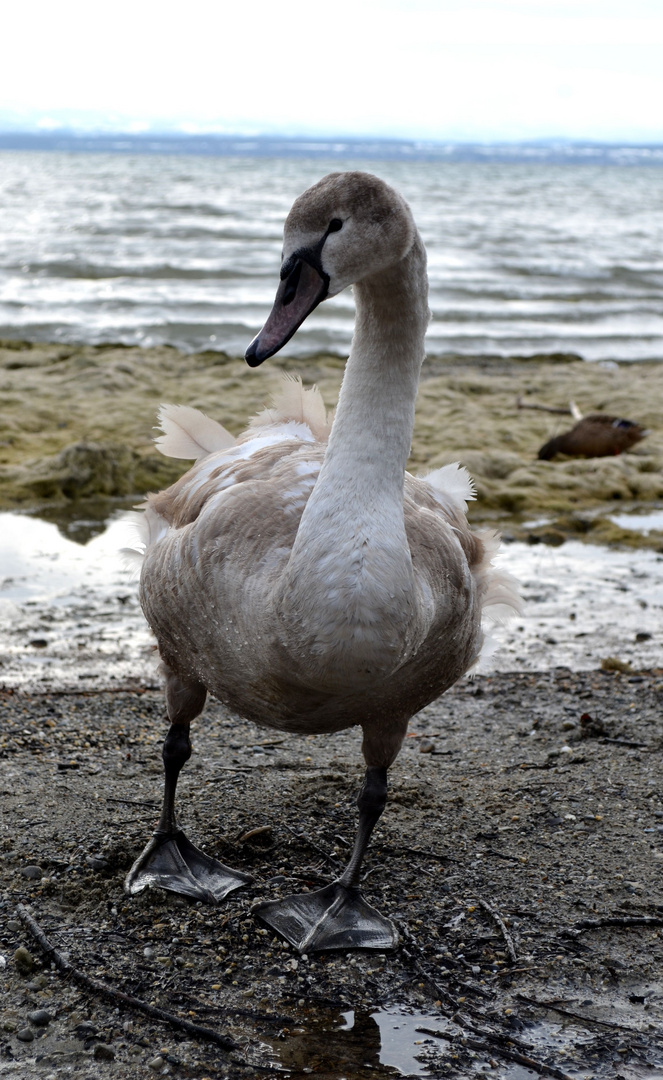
x: 274, y: 461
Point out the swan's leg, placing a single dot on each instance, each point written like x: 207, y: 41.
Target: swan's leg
x: 170, y: 861
x: 337, y: 917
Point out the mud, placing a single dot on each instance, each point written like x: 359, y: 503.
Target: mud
x: 534, y: 797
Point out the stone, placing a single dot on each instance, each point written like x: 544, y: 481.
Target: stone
x: 34, y: 873
x: 40, y: 1017
x: 104, y: 1052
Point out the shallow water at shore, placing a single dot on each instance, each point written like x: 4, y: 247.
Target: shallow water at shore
x: 70, y: 618
x: 185, y: 251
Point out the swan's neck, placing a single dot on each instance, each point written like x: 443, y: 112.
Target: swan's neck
x: 350, y: 574
x: 370, y: 441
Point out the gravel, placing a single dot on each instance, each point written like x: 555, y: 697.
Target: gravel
x: 508, y: 808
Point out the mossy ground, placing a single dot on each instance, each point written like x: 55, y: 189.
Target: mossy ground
x: 78, y: 422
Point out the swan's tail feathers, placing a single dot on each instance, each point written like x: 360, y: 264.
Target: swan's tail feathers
x: 144, y: 530
x: 295, y: 402
x: 452, y: 486
x: 188, y: 433
x: 500, y: 599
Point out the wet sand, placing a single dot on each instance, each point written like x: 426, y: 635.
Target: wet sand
x: 78, y: 422
x: 537, y: 795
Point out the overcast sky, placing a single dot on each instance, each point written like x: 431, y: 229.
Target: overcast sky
x: 480, y: 69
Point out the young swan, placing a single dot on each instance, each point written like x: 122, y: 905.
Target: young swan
x: 300, y: 575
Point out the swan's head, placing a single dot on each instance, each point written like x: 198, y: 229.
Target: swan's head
x: 346, y: 227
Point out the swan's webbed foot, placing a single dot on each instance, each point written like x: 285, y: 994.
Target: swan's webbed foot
x: 170, y: 861
x: 336, y: 917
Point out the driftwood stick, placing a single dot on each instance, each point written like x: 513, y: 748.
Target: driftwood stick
x: 118, y: 997
x: 508, y: 940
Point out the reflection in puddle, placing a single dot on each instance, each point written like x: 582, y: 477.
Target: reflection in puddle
x: 399, y: 1041
x: 69, y: 613
x: 357, y: 1044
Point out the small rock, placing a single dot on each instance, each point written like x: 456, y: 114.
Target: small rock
x: 149, y: 952
x: 40, y: 1017
x: 156, y: 1063
x: 96, y: 862
x: 24, y: 961
x: 104, y: 1052
x: 32, y: 872
x: 38, y: 643
x: 13, y: 924
x: 25, y: 1034
x: 426, y: 746
x: 85, y: 1029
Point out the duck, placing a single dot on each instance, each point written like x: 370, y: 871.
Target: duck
x: 298, y: 573
x: 595, y: 435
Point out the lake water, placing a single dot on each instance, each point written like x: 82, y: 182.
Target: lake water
x: 142, y: 249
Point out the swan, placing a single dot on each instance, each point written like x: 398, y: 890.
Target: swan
x: 298, y: 573
x: 595, y: 435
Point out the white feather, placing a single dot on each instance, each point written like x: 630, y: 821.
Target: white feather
x: 188, y: 433
x: 295, y: 402
x: 452, y: 485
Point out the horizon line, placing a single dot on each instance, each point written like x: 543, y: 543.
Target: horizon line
x: 171, y: 133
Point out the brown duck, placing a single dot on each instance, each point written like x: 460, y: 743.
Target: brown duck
x: 595, y: 435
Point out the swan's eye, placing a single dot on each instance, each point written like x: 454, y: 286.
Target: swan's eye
x: 334, y: 225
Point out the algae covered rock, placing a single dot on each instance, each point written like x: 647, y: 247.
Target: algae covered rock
x: 84, y: 469
x: 87, y: 469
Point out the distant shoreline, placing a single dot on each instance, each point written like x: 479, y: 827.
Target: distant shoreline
x: 527, y: 152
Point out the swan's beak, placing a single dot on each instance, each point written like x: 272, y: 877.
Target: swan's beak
x: 300, y: 291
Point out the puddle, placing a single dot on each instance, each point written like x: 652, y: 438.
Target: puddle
x: 69, y: 614
x: 645, y: 523
x: 70, y: 618
x: 401, y: 1042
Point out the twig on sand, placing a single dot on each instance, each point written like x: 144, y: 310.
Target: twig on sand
x: 497, y: 918
x: 312, y: 844
x: 618, y: 920
x: 499, y: 1051
x: 118, y: 997
x: 630, y: 743
x: 585, y: 1019
x: 569, y: 410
